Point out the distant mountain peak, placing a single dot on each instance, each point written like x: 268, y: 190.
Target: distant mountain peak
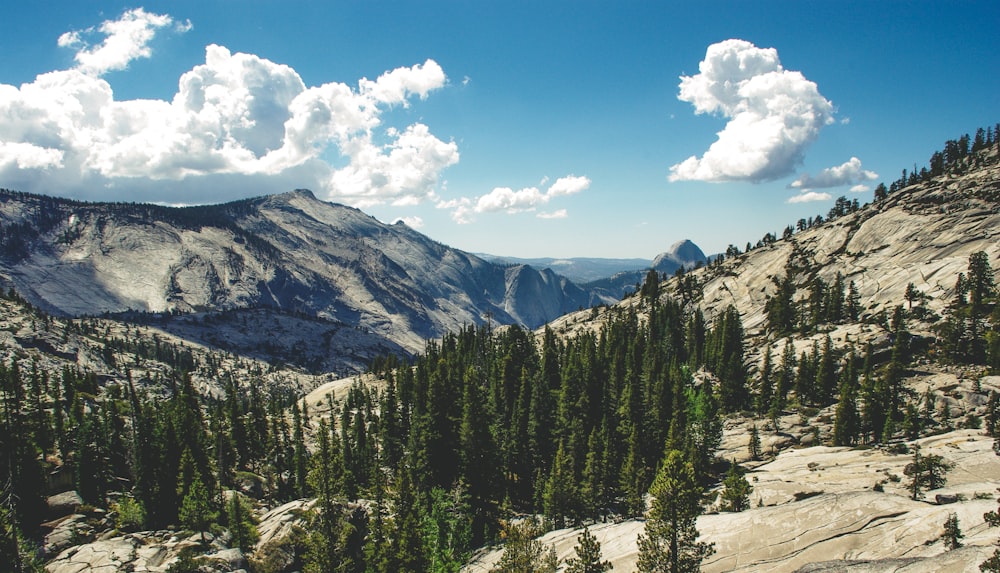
x: 681, y: 254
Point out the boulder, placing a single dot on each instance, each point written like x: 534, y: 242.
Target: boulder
x: 63, y: 504
x: 946, y: 498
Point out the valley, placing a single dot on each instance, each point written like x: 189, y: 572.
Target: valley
x: 282, y: 384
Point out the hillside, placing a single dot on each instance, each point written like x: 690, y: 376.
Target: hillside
x: 922, y: 234
x: 857, y: 422
x: 289, y: 252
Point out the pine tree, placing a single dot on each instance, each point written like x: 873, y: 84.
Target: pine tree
x: 588, y: 556
x: 197, y: 510
x: 753, y: 446
x: 952, y: 533
x: 765, y: 385
x: 736, y: 495
x: 925, y: 472
x: 242, y: 525
x: 847, y: 420
x: 522, y: 552
x: 981, y: 282
x: 407, y: 553
x: 669, y: 544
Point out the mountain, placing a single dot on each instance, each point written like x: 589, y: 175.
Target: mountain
x: 288, y: 252
x: 578, y: 269
x: 682, y: 254
x: 820, y: 507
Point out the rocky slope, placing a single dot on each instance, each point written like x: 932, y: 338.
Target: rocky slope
x: 290, y: 252
x: 922, y: 234
x: 817, y: 509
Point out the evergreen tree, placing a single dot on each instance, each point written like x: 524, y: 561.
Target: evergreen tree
x: 588, y: 556
x: 925, y: 472
x: 197, y: 509
x: 736, y: 495
x: 753, y: 446
x: 407, y: 552
x: 981, y: 282
x: 522, y: 552
x: 765, y: 385
x: 952, y: 533
x: 242, y: 525
x: 847, y: 420
x: 561, y: 498
x: 669, y: 544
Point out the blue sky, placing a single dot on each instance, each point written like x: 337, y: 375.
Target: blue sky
x: 584, y: 128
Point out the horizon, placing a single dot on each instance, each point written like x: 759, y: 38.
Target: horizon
x: 606, y: 131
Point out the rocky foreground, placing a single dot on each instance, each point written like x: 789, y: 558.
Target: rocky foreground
x: 840, y: 523
x: 818, y: 508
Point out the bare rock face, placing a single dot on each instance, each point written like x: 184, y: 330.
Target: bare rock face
x: 922, y: 234
x: 290, y: 252
x: 148, y: 551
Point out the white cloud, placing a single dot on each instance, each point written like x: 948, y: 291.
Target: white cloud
x: 507, y: 200
x: 847, y: 173
x: 238, y: 125
x: 395, y: 86
x: 860, y: 189
x: 568, y: 185
x: 126, y: 39
x: 560, y: 214
x: 411, y: 222
x: 774, y: 114
x: 28, y: 156
x: 810, y: 196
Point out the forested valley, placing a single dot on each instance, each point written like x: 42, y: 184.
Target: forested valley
x: 493, y: 434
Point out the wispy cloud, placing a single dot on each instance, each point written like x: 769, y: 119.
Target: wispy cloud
x: 774, y: 114
x: 125, y: 40
x: 810, y: 196
x: 507, y: 200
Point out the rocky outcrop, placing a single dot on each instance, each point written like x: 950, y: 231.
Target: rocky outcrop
x: 814, y: 505
x: 148, y: 552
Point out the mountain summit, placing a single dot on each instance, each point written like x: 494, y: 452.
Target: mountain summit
x: 681, y: 254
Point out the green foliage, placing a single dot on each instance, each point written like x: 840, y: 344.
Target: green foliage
x: 669, y: 544
x: 522, y: 552
x: 447, y: 530
x: 131, y: 515
x: 242, y: 523
x: 16, y: 551
x: 588, y: 555
x: 952, y: 532
x: 753, y: 445
x: 197, y: 509
x: 737, y: 490
x: 926, y: 472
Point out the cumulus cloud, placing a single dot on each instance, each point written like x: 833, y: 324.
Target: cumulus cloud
x: 238, y: 122
x: 125, y: 39
x: 507, y: 200
x: 774, y: 114
x: 810, y: 196
x: 848, y: 173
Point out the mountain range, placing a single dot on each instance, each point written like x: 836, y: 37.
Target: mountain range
x: 212, y: 290
x: 288, y: 252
